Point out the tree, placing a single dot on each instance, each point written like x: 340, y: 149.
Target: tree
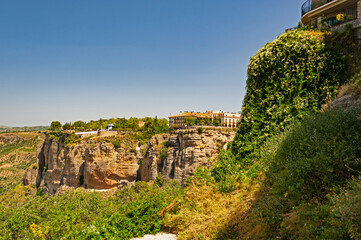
x: 133, y: 123
x: 55, y: 125
x: 67, y: 126
x: 79, y: 125
x: 189, y: 121
x: 216, y: 122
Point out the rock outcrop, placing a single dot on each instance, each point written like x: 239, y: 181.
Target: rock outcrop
x: 30, y: 176
x: 99, y: 163
x: 177, y: 156
x: 93, y: 164
x: 349, y: 98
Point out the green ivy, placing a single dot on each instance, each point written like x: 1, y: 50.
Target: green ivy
x: 288, y: 79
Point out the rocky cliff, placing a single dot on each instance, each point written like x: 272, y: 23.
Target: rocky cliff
x: 93, y: 163
x: 99, y: 163
x: 176, y: 156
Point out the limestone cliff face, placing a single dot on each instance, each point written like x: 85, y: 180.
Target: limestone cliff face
x: 91, y: 164
x: 177, y: 156
x: 97, y: 164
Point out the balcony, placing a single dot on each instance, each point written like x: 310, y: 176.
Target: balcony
x: 310, y: 5
x: 328, y: 9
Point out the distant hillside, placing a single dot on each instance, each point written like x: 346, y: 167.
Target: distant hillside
x: 17, y: 153
x: 23, y: 129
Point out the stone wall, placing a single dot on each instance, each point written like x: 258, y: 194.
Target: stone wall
x: 356, y: 24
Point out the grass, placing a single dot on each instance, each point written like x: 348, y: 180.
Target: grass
x: 303, y: 171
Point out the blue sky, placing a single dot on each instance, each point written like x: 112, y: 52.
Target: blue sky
x: 88, y: 59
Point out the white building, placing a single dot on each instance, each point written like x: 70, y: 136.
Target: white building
x: 230, y: 119
x: 226, y: 119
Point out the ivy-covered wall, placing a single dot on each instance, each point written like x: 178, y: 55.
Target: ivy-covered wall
x: 288, y: 79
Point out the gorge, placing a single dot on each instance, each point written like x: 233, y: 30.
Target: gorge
x: 99, y: 163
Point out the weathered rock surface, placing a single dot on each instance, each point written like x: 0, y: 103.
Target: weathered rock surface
x: 347, y: 101
x: 177, y: 156
x: 30, y: 176
x: 98, y: 164
x: 92, y: 164
x: 349, y: 96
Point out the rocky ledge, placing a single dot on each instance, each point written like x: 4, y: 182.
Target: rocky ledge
x: 176, y: 156
x: 99, y: 163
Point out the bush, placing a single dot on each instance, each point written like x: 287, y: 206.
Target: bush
x: 139, y: 213
x: 301, y: 168
x: 225, y: 171
x: 132, y: 212
x: 72, y: 138
x: 159, y: 180
x: 61, y: 214
x: 344, y: 212
x: 166, y: 144
x: 321, y: 152
x: 116, y: 144
x: 163, y: 154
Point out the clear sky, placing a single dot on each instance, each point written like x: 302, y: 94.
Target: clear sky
x: 74, y: 60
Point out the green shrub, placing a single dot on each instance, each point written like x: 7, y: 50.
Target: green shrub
x: 321, y: 152
x: 56, y: 135
x: 344, y: 213
x: 166, y: 144
x: 61, y: 214
x: 117, y: 144
x: 336, y: 218
x: 139, y: 213
x: 164, y: 153
x: 199, y: 130
x: 305, y: 171
x: 225, y: 171
x: 159, y: 181
x: 132, y: 212
x: 72, y: 138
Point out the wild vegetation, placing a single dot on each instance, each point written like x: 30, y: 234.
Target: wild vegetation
x: 139, y: 129
x: 29, y: 214
x: 288, y: 79
x: 150, y: 125
x: 293, y: 171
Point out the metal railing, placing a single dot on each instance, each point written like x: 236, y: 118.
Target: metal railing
x: 310, y: 5
x: 306, y: 7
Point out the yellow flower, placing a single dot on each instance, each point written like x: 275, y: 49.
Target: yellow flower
x: 340, y: 17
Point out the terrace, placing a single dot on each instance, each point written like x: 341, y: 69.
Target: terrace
x: 331, y: 12
x: 310, y: 5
